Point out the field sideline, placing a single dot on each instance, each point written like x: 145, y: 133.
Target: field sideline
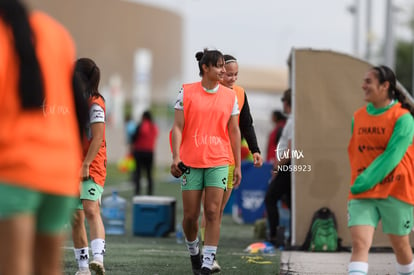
x: 132, y: 255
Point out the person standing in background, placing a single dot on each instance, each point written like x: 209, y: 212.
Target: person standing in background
x: 381, y: 155
x: 202, y: 153
x: 143, y: 147
x: 279, y: 121
x: 247, y: 132
x: 280, y: 184
x: 93, y: 173
x: 40, y: 146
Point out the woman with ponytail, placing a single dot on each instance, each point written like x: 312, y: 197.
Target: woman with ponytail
x: 202, y: 151
x: 382, y: 175
x: 39, y: 140
x: 93, y: 173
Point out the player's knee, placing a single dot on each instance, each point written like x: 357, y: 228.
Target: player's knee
x: 361, y: 244
x: 212, y: 213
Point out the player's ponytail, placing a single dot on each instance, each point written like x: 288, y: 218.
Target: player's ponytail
x: 386, y: 74
x: 30, y: 76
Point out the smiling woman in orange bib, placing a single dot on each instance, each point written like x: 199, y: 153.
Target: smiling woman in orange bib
x: 205, y: 125
x: 382, y: 175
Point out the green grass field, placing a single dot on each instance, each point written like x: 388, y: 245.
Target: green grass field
x: 130, y: 254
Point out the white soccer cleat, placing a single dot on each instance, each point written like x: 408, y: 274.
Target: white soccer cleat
x: 216, y: 267
x: 98, y: 267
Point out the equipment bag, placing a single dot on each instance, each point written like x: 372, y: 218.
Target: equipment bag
x: 323, y: 233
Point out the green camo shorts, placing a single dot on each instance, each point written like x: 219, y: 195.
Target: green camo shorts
x: 199, y: 178
x: 52, y: 212
x: 90, y: 190
x: 396, y: 215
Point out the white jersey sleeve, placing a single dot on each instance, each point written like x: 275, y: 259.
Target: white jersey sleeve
x: 96, y: 114
x: 179, y: 102
x: 236, y: 110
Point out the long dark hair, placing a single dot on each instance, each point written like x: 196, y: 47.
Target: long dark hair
x: 384, y: 74
x: 90, y: 75
x: 31, y: 88
x: 208, y: 57
x: 82, y: 112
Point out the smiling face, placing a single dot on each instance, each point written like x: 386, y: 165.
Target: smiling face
x: 375, y: 92
x: 230, y: 77
x: 215, y: 72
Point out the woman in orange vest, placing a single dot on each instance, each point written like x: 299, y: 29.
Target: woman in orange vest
x: 40, y: 140
x: 204, y: 133
x: 93, y: 172
x: 382, y: 175
x: 246, y: 129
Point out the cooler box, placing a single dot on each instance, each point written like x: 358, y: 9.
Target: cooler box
x: 153, y: 216
x: 249, y: 196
